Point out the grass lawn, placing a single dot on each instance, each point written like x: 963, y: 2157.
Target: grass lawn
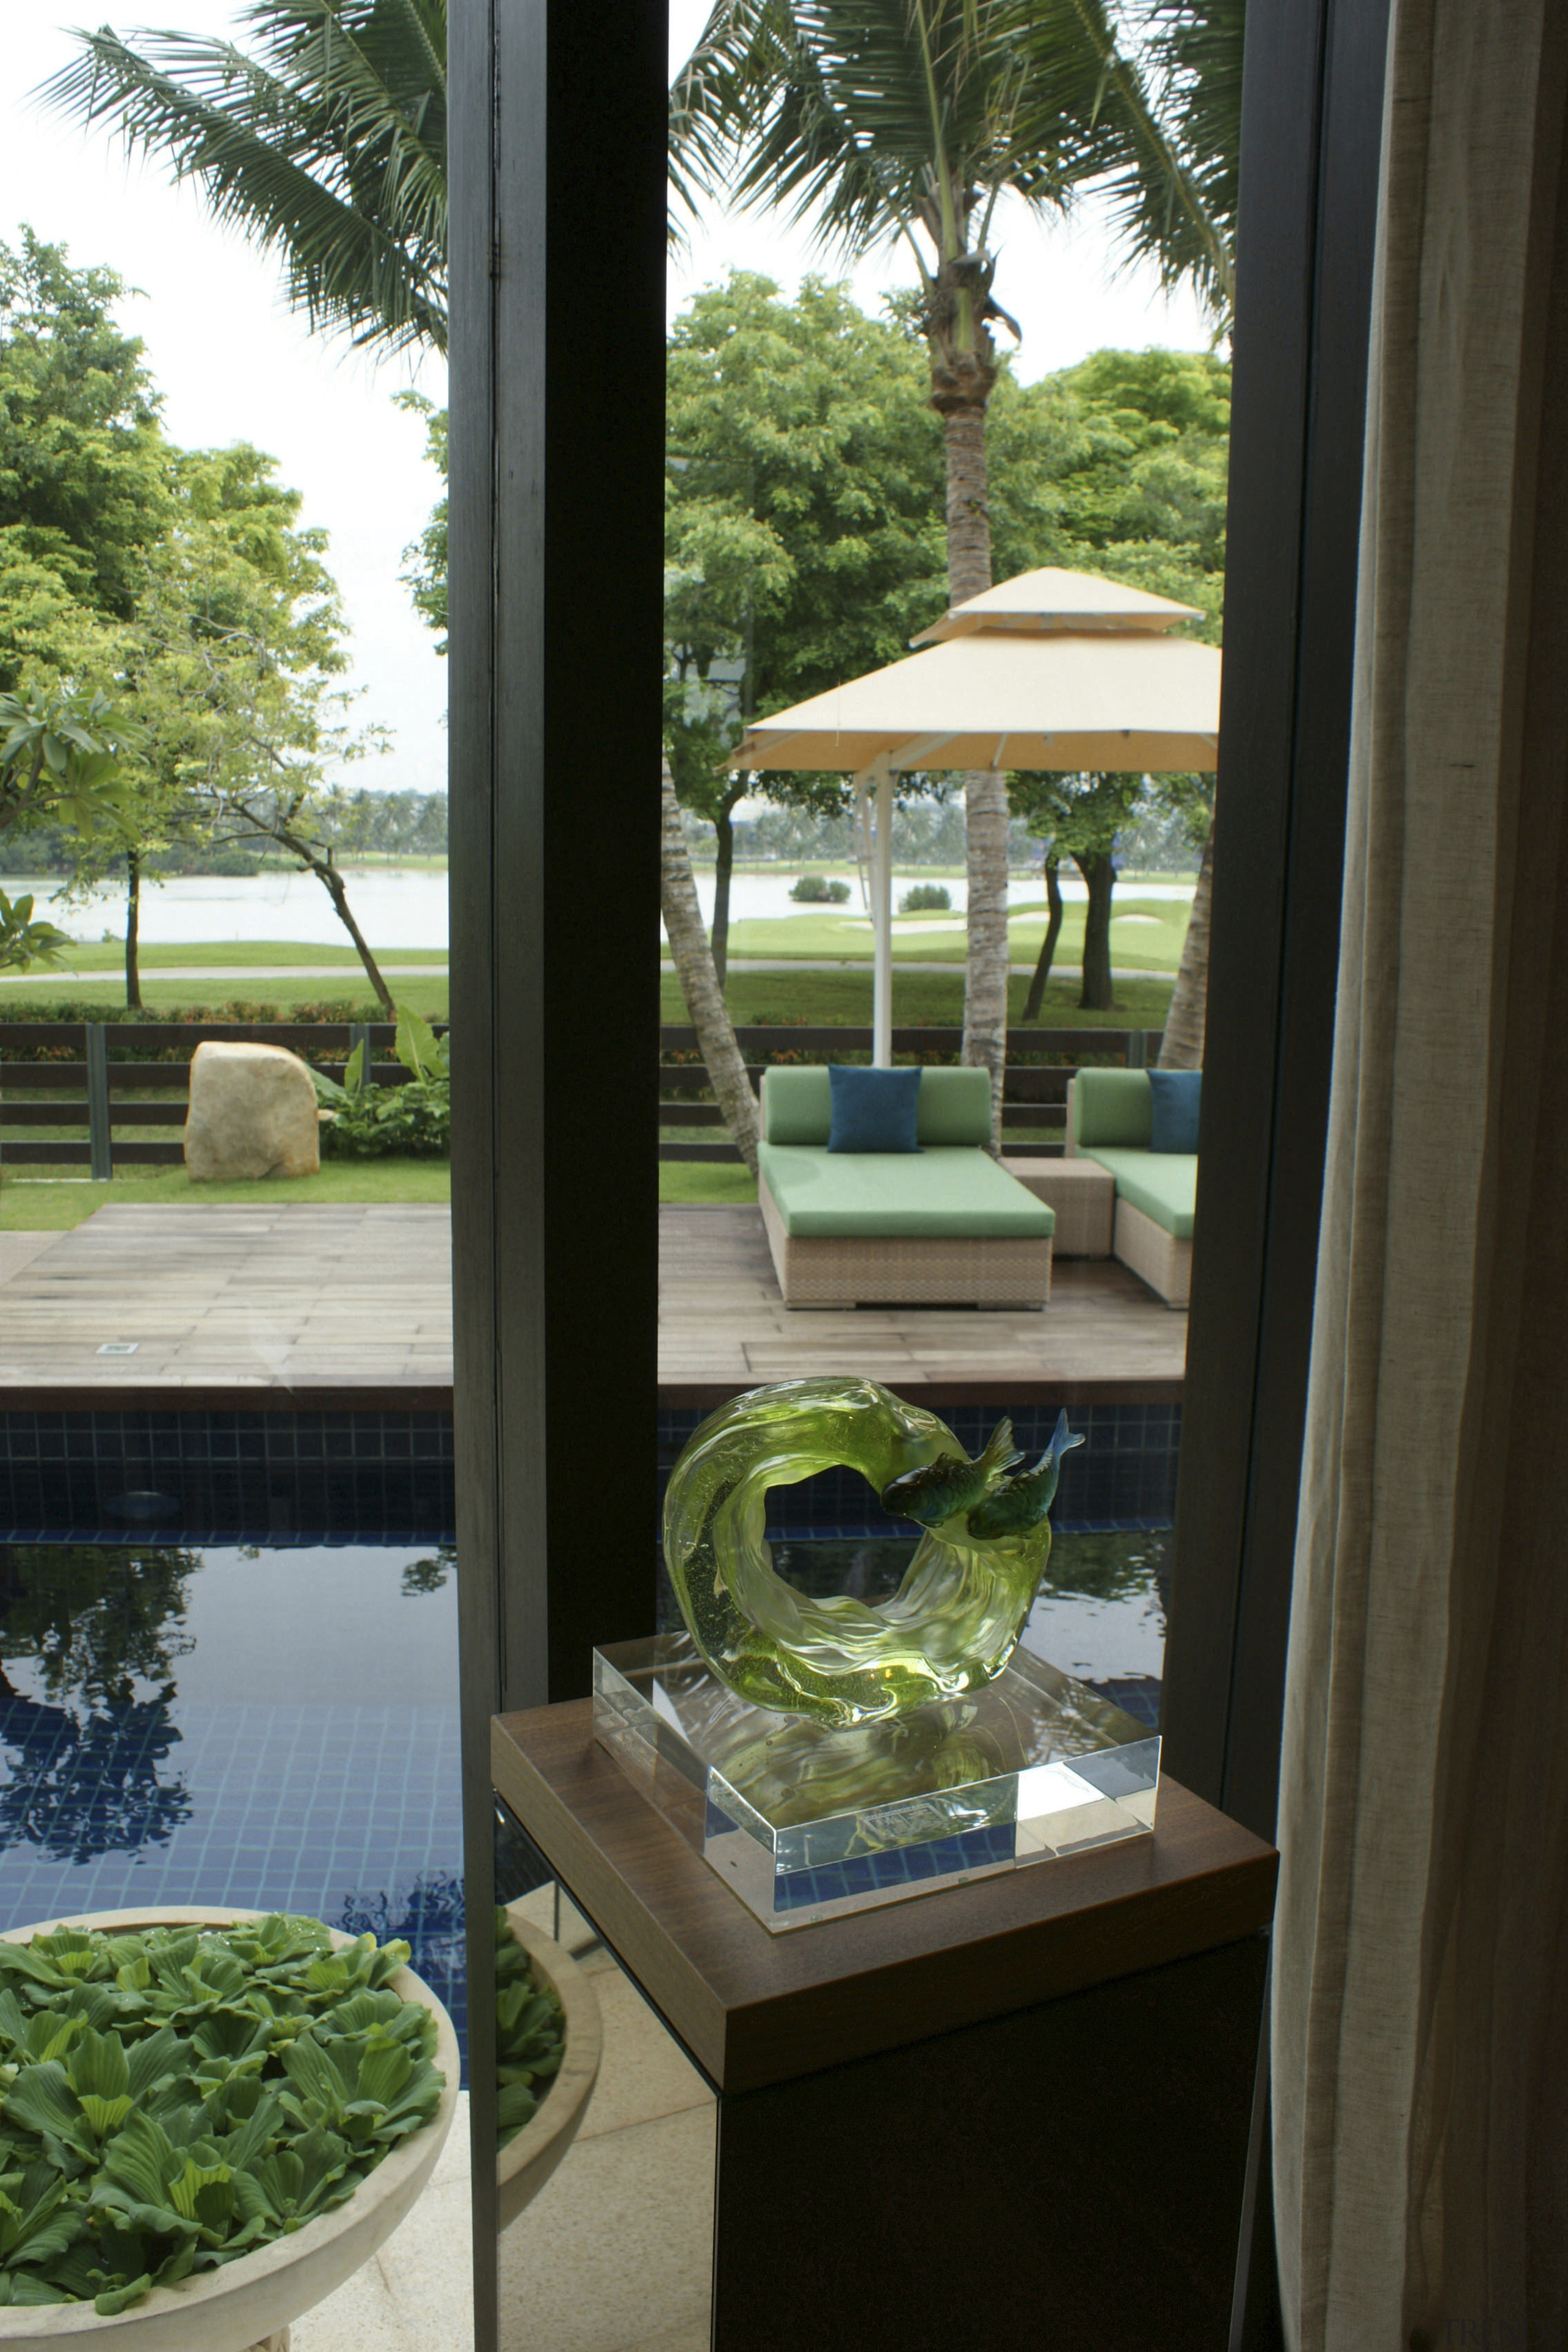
x: 43, y: 991
x: 706, y: 1182
x: 38, y: 1202
x: 921, y: 999
x: 109, y: 955
x: 1145, y: 934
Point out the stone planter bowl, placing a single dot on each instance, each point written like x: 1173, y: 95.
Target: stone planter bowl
x: 247, y: 2304
x: 526, y: 2163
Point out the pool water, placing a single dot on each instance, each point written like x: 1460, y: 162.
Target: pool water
x: 272, y: 1726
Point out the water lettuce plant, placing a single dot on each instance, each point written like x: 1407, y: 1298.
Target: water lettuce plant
x: 173, y: 2098
x: 530, y: 2035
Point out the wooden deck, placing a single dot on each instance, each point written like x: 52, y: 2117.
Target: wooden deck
x: 724, y: 1326
x: 346, y: 1307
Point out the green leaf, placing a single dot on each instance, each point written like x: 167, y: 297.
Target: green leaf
x: 156, y: 2058
x: 20, y: 2289
x: 120, y: 2298
x: 144, y: 2161
x: 383, y: 2071
x: 416, y: 1042
x: 98, y: 2068
x: 50, y: 2035
x: 202, y: 2194
x: 515, y: 2106
x: 41, y: 2100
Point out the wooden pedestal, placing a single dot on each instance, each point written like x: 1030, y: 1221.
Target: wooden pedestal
x: 1013, y: 2114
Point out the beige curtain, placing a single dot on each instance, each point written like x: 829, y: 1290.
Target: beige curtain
x: 1420, y: 2031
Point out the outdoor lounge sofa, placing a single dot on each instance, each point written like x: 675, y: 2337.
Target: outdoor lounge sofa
x: 1111, y: 1119
x: 943, y: 1226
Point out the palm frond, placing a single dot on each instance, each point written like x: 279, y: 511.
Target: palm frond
x: 1172, y: 155
x: 866, y: 116
x: 851, y: 112
x: 327, y: 143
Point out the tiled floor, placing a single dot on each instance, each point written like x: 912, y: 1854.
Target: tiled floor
x: 615, y: 2254
x: 344, y: 1301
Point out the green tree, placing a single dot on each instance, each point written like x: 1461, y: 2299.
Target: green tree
x: 911, y: 118
x: 801, y: 545
x: 240, y: 644
x: 325, y: 142
x: 229, y: 666
x: 425, y: 576
x: 1129, y: 467
x: 83, y: 463
x: 61, y: 759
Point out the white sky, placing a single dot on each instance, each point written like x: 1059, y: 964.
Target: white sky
x: 233, y: 364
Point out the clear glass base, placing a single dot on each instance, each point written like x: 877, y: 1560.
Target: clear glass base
x: 805, y: 1823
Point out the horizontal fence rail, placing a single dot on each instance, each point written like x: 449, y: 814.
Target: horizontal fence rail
x: 1040, y: 1064
x: 103, y: 1068
x: 1034, y: 1094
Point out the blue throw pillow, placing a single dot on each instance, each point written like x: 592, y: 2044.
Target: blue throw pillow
x: 1175, y: 1103
x: 873, y: 1110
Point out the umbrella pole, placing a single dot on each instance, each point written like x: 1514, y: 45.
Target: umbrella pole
x: 881, y: 775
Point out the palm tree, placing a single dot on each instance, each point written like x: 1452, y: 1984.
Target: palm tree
x: 1196, y: 51
x: 325, y: 142
x: 911, y: 118
x: 700, y: 985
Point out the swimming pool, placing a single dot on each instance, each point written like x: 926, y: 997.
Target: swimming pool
x: 228, y: 1645
x: 272, y: 1725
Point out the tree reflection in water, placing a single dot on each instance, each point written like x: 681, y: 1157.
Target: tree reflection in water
x: 101, y: 1627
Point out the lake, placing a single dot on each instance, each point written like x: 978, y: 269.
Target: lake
x: 408, y: 910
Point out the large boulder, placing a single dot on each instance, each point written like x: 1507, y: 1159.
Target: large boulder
x: 253, y: 1113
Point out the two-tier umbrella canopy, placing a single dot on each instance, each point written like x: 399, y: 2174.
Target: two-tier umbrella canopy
x: 1055, y: 670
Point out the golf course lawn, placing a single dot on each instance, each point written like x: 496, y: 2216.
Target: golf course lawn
x: 1146, y: 934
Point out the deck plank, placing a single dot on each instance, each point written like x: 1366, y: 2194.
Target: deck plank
x: 352, y: 1303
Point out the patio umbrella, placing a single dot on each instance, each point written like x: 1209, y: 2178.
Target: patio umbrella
x: 1054, y: 671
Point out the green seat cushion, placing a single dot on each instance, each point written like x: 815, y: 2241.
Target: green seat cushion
x: 952, y: 1106
x: 1163, y: 1184
x: 947, y: 1191
x: 1113, y: 1110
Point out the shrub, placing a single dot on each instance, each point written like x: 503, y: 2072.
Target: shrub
x: 370, y: 1122
x: 935, y: 895
x: 820, y: 890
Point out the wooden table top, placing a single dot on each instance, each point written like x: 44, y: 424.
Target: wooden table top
x: 755, y: 2007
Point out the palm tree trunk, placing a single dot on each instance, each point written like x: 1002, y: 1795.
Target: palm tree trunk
x: 1182, y: 1047
x: 723, y: 867
x: 1049, y: 944
x: 984, y: 789
x: 132, y: 930
x: 693, y: 962
x: 1099, y: 874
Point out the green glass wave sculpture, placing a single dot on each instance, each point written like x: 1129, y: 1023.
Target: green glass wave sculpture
x: 955, y: 1619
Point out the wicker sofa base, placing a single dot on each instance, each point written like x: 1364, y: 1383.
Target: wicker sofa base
x: 1156, y: 1256
x: 859, y: 1270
